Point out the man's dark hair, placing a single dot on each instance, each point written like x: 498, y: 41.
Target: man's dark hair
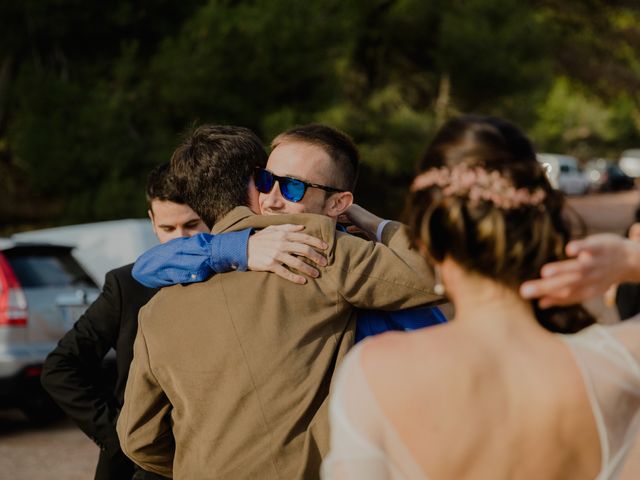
x: 213, y: 166
x: 338, y: 145
x: 162, y: 185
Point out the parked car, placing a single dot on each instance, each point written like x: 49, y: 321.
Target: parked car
x: 43, y: 290
x: 630, y: 162
x: 564, y: 173
x: 606, y: 176
x: 99, y: 246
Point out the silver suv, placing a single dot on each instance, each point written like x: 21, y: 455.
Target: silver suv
x: 43, y: 291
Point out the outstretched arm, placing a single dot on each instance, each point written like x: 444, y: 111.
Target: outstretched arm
x: 597, y: 262
x: 363, y: 221
x: 194, y: 259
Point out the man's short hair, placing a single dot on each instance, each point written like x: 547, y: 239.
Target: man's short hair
x: 213, y: 166
x: 338, y: 145
x: 162, y: 185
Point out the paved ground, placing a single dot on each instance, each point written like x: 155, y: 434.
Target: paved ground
x: 58, y: 452
x: 607, y: 212
x: 62, y: 452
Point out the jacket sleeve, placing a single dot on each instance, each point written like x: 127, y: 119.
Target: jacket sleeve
x: 71, y: 373
x: 192, y: 259
x: 376, y: 276
x: 144, y: 424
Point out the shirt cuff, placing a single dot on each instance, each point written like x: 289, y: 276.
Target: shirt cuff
x: 229, y: 251
x: 380, y: 229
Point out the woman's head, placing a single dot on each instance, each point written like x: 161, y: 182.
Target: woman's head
x: 483, y: 200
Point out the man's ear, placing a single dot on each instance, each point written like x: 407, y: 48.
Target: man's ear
x: 338, y: 203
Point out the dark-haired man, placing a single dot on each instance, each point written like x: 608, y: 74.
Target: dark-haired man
x: 230, y: 376
x: 72, y: 373
x: 311, y: 169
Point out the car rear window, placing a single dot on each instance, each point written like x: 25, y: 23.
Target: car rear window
x: 47, y: 268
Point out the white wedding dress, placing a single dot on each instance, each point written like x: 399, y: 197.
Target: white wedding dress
x: 365, y: 445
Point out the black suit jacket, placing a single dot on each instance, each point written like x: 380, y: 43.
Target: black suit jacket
x: 73, y: 374
x: 628, y: 300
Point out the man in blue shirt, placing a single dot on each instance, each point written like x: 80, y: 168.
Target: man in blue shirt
x: 303, y: 162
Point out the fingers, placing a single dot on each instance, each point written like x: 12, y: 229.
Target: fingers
x: 279, y: 246
x: 594, y: 244
x: 291, y: 233
x: 303, y: 238
x: 303, y: 251
x: 353, y: 229
x: 574, y: 247
x: 287, y: 227
x: 289, y: 275
x: 297, y: 264
x: 556, y: 290
x: 563, y: 267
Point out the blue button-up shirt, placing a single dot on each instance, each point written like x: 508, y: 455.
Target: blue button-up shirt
x: 194, y: 259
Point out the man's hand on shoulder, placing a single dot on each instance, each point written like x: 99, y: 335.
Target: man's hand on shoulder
x: 277, y: 247
x: 363, y: 222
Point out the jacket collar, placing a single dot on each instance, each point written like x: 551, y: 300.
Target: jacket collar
x: 232, y: 218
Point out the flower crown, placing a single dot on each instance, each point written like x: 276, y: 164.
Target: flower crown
x: 478, y: 184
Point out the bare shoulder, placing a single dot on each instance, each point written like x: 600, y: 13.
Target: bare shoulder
x: 393, y: 357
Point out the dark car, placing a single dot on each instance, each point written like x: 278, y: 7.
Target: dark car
x: 608, y: 177
x: 43, y: 290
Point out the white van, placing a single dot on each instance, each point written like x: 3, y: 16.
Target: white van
x: 100, y: 246
x: 564, y: 173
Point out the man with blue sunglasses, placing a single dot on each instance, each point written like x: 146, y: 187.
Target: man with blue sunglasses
x: 231, y: 376
x: 311, y: 169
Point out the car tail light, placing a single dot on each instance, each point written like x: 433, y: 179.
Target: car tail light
x: 13, y: 304
x: 33, y: 371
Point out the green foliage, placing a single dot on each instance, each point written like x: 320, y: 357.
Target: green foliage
x: 92, y: 97
x: 492, y: 49
x: 569, y: 117
x: 241, y: 62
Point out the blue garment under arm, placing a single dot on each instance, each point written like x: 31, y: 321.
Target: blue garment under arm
x: 374, y: 322
x: 192, y: 259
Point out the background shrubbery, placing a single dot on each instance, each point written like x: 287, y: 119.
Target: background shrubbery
x: 93, y: 94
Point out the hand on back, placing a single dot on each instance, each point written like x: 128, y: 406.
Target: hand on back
x: 278, y: 249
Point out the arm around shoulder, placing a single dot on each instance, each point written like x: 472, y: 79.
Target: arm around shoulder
x: 192, y: 259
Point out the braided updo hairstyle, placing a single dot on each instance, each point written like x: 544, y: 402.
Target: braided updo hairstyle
x: 508, y: 245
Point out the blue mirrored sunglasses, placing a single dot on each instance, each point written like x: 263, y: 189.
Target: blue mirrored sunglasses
x: 291, y: 189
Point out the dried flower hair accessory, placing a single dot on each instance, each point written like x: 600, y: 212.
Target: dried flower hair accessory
x: 478, y: 184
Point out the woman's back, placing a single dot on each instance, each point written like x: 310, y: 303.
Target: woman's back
x: 495, y: 394
x: 463, y: 408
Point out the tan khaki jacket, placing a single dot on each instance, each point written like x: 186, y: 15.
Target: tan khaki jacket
x: 230, y: 377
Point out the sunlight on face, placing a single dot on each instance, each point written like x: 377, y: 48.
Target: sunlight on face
x: 303, y: 161
x: 172, y: 220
